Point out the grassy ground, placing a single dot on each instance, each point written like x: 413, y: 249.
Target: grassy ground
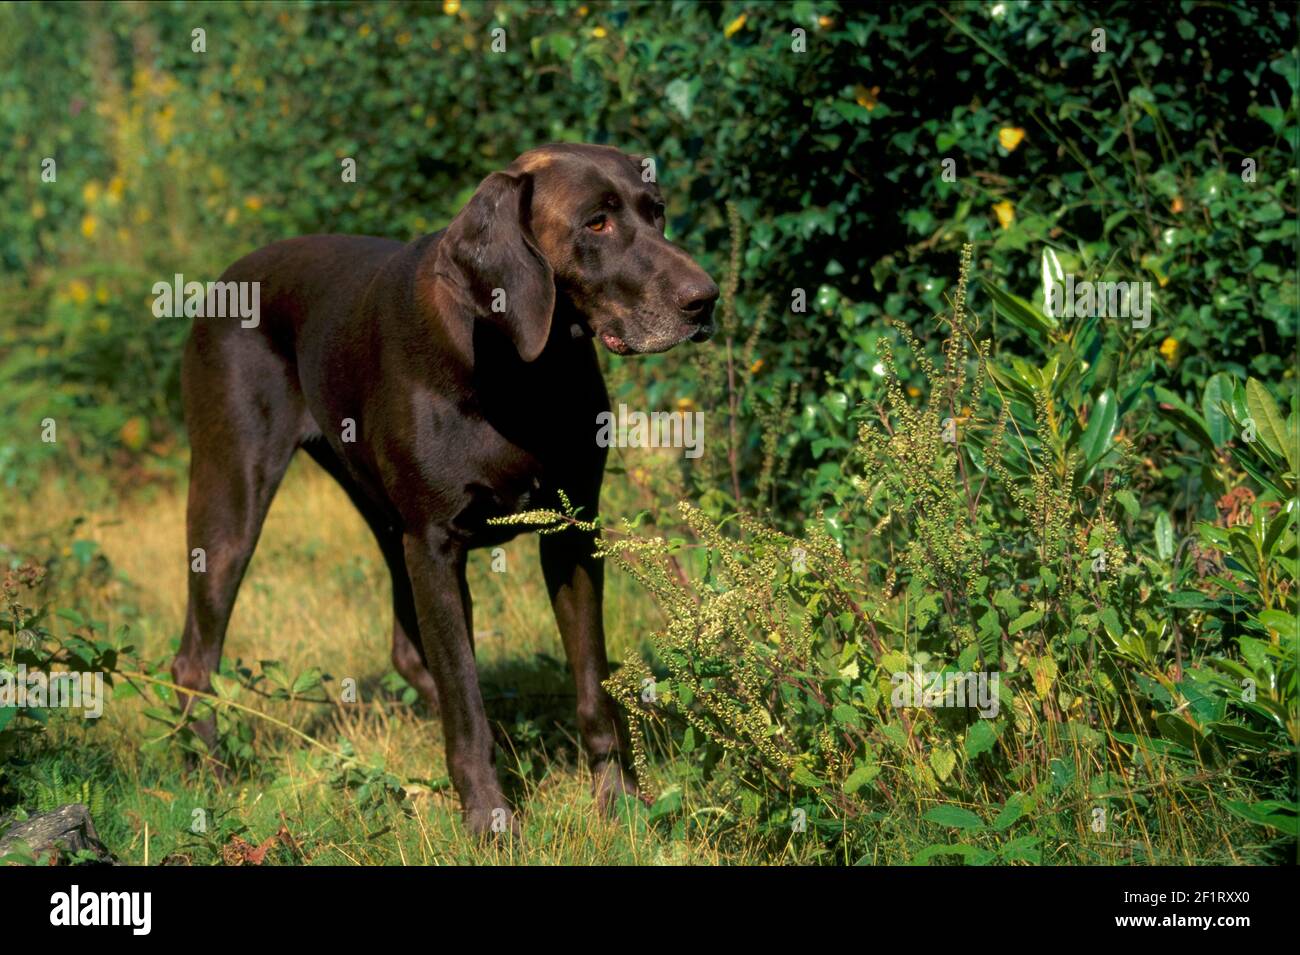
x: 371, y: 789
x: 317, y: 594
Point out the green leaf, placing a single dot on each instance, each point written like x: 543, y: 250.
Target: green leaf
x: 861, y: 777
x: 224, y: 686
x: 929, y: 852
x: 846, y: 715
x: 979, y: 738
x: 806, y: 777
x: 1275, y: 815
x: 954, y: 816
x: 1026, y: 619
x: 1011, y: 812
x: 274, y: 672
x: 668, y: 803
x: 1128, y: 500
x: 1110, y: 620
x: 307, y: 681
x: 1022, y: 849
x: 1284, y: 623
x: 1100, y: 433
x: 1269, y: 425
x: 1218, y: 394
x: 1164, y: 536
x: 943, y: 761
x: 1020, y: 313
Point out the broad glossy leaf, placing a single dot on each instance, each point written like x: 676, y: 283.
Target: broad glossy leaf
x: 1214, y: 404
x: 1100, y: 433
x: 1269, y: 425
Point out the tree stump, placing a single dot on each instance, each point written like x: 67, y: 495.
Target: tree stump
x: 50, y: 835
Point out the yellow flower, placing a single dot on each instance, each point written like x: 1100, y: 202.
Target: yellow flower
x: 825, y: 22
x: 403, y: 39
x: 78, y: 291
x: 736, y: 25
x: 599, y: 33
x: 1169, y: 348
x: 363, y: 30
x: 451, y: 7
x: 913, y: 391
x: 582, y: 11
x: 1010, y: 137
x: 134, y: 432
x: 755, y: 368
x: 1005, y: 212
x: 253, y: 203
x: 685, y: 405
x: 90, y: 193
x: 38, y: 210
x: 101, y: 294
x: 866, y: 98
x: 88, y: 225
x: 1177, y: 205
x: 116, y: 188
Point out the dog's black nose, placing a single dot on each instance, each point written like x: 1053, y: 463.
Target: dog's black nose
x: 696, y: 300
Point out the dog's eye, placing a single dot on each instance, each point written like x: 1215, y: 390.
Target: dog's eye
x: 599, y: 223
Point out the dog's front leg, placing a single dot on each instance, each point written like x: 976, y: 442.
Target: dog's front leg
x: 436, y: 564
x: 575, y: 580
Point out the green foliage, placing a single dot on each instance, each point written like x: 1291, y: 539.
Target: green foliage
x: 1130, y: 162
x: 968, y: 548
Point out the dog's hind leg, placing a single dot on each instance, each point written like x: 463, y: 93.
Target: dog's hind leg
x: 245, y: 416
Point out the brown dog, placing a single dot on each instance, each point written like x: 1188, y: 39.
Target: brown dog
x: 442, y: 383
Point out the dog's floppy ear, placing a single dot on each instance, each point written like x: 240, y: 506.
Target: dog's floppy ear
x: 490, y: 245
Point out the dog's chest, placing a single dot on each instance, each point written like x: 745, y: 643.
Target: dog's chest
x: 498, y: 478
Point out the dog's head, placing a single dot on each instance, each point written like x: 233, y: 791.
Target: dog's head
x: 582, y: 227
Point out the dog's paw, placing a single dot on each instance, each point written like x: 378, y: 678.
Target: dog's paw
x: 610, y: 783
x: 492, y: 822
